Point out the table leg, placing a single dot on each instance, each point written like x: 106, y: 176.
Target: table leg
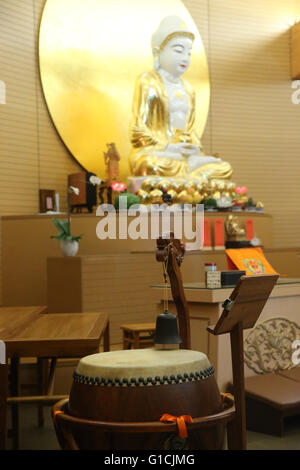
x: 50, y: 382
x: 46, y: 379
x: 3, y: 407
x: 126, y: 340
x: 15, y: 408
x: 106, y: 338
x: 136, y: 340
x: 42, y: 371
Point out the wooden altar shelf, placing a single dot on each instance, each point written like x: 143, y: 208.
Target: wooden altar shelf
x: 30, y: 277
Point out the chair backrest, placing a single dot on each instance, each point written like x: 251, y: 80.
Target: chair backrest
x: 270, y: 345
x: 171, y: 252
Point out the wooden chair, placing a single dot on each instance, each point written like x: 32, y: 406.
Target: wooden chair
x: 15, y: 399
x: 273, y: 393
x: 66, y: 425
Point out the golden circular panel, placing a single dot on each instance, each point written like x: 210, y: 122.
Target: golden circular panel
x: 91, y: 52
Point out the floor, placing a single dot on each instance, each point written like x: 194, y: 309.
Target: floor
x: 33, y: 437
x: 44, y: 438
x: 289, y: 441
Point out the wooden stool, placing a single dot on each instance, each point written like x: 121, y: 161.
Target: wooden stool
x: 132, y: 338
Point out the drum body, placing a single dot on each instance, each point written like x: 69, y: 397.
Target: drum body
x: 140, y: 386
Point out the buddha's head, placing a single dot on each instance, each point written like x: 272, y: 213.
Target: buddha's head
x: 171, y: 46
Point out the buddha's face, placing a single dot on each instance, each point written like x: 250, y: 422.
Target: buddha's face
x: 175, y: 56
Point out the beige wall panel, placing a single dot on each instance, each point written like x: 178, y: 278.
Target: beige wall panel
x: 55, y: 163
x: 32, y: 156
x: 18, y: 155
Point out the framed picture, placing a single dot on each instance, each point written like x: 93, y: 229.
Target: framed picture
x: 47, y: 200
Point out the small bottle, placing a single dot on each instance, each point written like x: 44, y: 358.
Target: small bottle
x: 209, y: 267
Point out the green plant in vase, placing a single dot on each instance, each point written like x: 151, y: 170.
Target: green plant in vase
x: 69, y: 243
x: 250, y: 205
x: 64, y: 231
x: 210, y: 204
x: 127, y: 198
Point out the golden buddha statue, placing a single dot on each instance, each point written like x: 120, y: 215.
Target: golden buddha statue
x: 164, y: 140
x: 234, y: 230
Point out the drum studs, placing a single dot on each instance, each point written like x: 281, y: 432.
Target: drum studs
x: 79, y: 378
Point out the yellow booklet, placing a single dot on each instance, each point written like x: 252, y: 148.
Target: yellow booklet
x: 251, y: 260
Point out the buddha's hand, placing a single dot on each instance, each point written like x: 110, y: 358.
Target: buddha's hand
x: 182, y: 149
x: 196, y: 161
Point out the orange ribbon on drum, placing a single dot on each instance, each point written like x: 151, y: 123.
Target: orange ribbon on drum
x: 224, y: 395
x: 54, y: 416
x: 181, y: 420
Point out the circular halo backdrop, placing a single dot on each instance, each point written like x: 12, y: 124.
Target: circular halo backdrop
x: 90, y: 53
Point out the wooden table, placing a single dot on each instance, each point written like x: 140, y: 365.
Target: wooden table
x: 12, y: 319
x: 55, y: 334
x: 31, y: 332
x: 205, y: 308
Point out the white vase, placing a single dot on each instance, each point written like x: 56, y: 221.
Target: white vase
x: 69, y: 247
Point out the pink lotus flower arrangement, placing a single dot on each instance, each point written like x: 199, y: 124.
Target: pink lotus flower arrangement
x: 118, y: 186
x: 242, y: 190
